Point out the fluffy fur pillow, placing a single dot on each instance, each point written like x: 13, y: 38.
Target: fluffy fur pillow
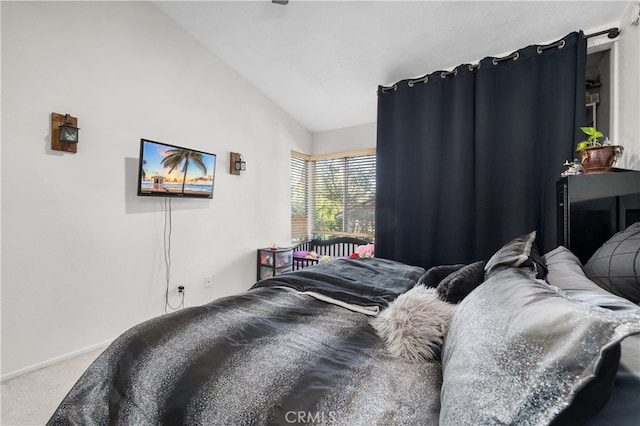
x: 415, y: 324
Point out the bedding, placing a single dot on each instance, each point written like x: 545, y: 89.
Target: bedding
x: 458, y: 284
x: 521, y: 252
x: 415, y: 324
x: 615, y: 266
x: 518, y: 351
x: 272, y: 355
x: 565, y: 272
x: 434, y: 275
x: 300, y: 348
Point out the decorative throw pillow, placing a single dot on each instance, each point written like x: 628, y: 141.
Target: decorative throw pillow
x: 415, y: 324
x: 615, y: 266
x: 517, y: 253
x: 518, y: 351
x: 366, y: 250
x: 593, y: 397
x: 457, y: 285
x: 566, y: 273
x: 435, y: 274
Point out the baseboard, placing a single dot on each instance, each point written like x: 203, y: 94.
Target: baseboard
x: 55, y: 360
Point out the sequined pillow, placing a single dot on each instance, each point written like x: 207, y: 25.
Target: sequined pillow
x: 518, y: 351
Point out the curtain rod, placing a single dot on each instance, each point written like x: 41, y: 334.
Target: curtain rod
x: 611, y: 33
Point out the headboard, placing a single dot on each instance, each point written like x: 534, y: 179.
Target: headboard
x: 593, y: 207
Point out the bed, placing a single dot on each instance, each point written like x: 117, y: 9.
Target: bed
x: 519, y: 338
x: 312, y: 252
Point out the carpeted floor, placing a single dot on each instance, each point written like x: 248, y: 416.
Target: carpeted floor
x: 31, y: 399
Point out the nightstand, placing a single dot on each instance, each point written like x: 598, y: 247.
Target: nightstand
x: 272, y: 263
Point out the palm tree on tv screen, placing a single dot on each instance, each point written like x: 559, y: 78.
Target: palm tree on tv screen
x: 144, y: 172
x: 181, y: 157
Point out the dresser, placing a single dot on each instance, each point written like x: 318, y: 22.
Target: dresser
x: 603, y: 203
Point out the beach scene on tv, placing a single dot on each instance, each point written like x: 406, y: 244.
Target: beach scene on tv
x: 171, y: 170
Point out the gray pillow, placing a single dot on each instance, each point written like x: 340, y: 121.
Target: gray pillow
x: 457, y: 285
x: 518, y: 351
x: 615, y: 266
x: 517, y: 253
x: 435, y: 274
x: 565, y: 272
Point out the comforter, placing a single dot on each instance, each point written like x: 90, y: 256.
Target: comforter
x: 280, y: 353
x: 299, y: 349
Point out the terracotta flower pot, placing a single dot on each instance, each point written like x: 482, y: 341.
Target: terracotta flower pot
x: 599, y: 159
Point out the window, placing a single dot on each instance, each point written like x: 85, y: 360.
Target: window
x: 339, y: 194
x: 299, y: 196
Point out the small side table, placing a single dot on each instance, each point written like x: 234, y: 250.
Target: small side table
x: 272, y: 263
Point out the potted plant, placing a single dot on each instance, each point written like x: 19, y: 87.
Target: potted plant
x: 594, y: 156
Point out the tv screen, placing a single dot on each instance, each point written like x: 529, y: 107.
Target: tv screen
x: 173, y: 171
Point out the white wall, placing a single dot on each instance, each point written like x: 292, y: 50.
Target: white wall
x: 347, y: 139
x: 626, y: 121
x: 82, y: 255
x: 629, y: 89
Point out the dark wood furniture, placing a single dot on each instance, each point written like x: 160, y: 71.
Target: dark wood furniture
x: 334, y: 247
x: 597, y: 204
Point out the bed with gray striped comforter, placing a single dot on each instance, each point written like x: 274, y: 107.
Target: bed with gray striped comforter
x: 272, y: 355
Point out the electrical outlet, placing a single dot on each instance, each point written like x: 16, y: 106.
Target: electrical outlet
x: 179, y: 288
x: 208, y: 280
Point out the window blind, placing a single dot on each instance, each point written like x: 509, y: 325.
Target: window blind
x: 333, y: 195
x: 299, y: 197
x: 343, y: 195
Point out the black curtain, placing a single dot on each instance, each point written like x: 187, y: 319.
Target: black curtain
x: 468, y: 160
x: 424, y: 171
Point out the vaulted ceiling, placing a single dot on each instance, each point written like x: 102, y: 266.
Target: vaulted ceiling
x: 322, y: 61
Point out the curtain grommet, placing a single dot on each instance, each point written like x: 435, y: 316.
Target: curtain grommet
x: 513, y: 56
x: 559, y: 44
x: 386, y: 89
x: 444, y: 74
x: 412, y: 83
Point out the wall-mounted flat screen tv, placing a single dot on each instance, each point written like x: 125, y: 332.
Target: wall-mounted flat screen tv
x: 173, y: 171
